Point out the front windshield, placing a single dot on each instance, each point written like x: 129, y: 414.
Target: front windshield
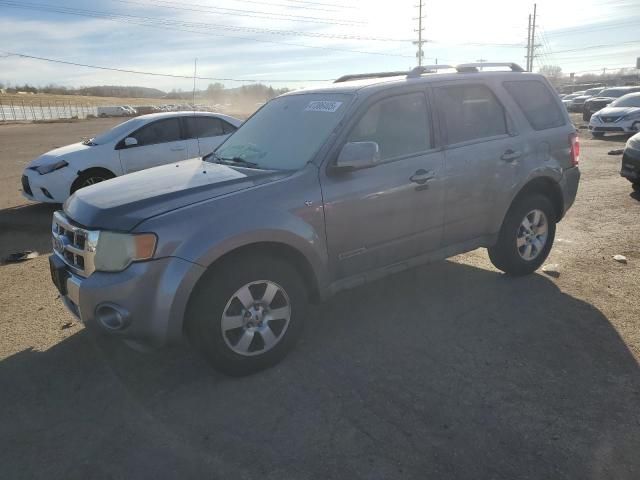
x: 632, y: 100
x: 287, y: 132
x: 117, y: 132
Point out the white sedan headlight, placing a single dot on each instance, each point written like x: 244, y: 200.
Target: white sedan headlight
x: 50, y: 167
x: 116, y: 251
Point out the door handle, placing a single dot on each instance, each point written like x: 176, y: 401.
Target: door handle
x: 177, y: 149
x: 422, y: 176
x: 510, y: 155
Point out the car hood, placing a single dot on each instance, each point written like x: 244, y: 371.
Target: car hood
x: 123, y: 202
x: 617, y: 111
x: 56, y: 153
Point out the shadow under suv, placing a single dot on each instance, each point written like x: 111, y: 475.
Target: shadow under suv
x: 319, y: 191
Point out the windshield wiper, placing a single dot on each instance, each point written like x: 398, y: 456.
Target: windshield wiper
x: 230, y: 161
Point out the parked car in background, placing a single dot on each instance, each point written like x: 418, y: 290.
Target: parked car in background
x: 631, y: 162
x: 118, y: 111
x: 577, y: 103
x: 146, y: 109
x: 567, y: 99
x: 604, y: 98
x: 132, y: 111
x: 621, y: 116
x: 142, y: 142
x: 319, y: 191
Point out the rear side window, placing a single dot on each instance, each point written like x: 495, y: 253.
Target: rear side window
x: 199, y: 127
x: 470, y: 112
x: 161, y: 131
x: 537, y: 103
x: 399, y: 126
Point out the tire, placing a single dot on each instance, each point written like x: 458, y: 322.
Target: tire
x: 586, y: 116
x: 597, y: 134
x: 512, y: 259
x: 636, y: 187
x: 90, y: 177
x: 236, y: 339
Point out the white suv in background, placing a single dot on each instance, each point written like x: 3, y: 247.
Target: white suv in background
x: 143, y: 142
x: 621, y: 116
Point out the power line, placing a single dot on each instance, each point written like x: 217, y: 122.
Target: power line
x: 243, y: 13
x: 321, y: 7
x: 589, y: 29
x: 154, y: 22
x: 154, y: 74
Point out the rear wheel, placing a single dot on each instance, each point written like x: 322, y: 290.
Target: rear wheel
x: 526, y: 236
x: 247, y: 314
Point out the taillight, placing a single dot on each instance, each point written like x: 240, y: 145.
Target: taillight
x: 574, y: 143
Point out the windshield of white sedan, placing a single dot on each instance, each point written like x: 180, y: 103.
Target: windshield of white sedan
x: 286, y: 133
x: 627, y: 101
x: 117, y: 132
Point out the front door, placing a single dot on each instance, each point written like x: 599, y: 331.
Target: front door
x: 393, y: 211
x: 159, y: 143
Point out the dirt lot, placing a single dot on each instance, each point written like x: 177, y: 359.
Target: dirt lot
x: 449, y: 371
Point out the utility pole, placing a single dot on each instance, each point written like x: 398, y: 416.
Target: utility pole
x: 531, y: 39
x: 481, y: 60
x: 528, y: 55
x: 420, y: 42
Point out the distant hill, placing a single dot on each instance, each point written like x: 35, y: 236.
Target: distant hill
x: 117, y: 91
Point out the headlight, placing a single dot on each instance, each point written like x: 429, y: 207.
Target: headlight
x: 116, y: 251
x: 44, y: 169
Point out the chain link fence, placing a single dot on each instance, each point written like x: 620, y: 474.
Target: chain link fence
x: 12, y: 110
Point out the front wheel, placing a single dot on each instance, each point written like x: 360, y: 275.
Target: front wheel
x: 526, y: 236
x: 247, y: 314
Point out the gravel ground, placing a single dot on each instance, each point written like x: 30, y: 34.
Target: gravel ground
x: 448, y: 371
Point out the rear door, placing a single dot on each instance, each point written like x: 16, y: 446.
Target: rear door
x: 159, y: 142
x: 205, y: 133
x: 480, y: 157
x: 393, y: 211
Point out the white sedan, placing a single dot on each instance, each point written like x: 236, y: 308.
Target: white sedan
x: 142, y: 142
x: 621, y: 115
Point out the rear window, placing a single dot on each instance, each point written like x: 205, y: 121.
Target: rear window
x: 198, y: 127
x: 537, y: 103
x: 470, y: 112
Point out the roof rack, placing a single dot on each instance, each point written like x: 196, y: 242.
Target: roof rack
x: 473, y: 67
x: 361, y: 76
x: 418, y: 71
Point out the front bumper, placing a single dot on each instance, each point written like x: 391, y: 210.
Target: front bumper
x: 630, y: 168
x: 50, y: 188
x: 151, y: 298
x: 621, y: 126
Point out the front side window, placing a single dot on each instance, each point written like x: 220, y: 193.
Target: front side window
x: 162, y: 131
x: 470, y: 112
x: 287, y: 132
x: 200, y: 127
x: 537, y: 103
x: 399, y: 125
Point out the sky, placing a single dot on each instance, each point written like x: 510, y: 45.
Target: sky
x: 294, y: 43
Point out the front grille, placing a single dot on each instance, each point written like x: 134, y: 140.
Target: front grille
x: 25, y: 185
x: 608, y: 119
x: 74, y: 244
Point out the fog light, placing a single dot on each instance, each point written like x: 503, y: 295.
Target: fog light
x: 112, y: 317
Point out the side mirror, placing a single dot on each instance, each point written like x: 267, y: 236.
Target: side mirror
x: 130, y: 142
x: 357, y: 155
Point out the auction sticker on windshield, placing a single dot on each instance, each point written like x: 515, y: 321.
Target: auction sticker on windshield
x: 322, y: 106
